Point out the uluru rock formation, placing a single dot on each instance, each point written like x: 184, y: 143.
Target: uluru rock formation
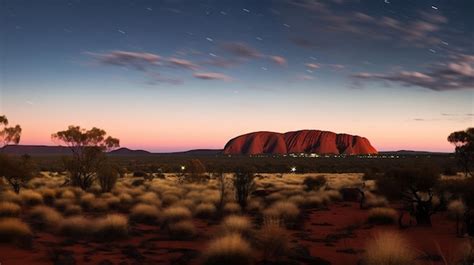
x: 304, y: 141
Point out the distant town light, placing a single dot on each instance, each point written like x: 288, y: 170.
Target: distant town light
x: 183, y: 168
x: 293, y: 169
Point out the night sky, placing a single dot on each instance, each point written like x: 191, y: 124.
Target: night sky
x: 176, y: 75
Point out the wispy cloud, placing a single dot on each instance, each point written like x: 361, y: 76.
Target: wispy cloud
x: 137, y: 60
x: 212, y: 76
x: 420, y: 31
x: 182, y: 63
x: 278, y: 59
x: 241, y: 50
x: 458, y: 73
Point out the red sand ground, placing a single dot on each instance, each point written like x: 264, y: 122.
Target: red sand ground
x: 324, y: 234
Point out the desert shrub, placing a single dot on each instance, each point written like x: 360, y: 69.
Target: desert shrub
x: 10, y: 196
x: 76, y: 226
x: 13, y: 230
x: 314, y: 183
x: 31, y: 198
x: 17, y: 172
x: 62, y: 204
x: 125, y: 198
x: 205, y: 210
x: 449, y: 170
x: 231, y: 249
x: 72, y: 209
x: 175, y: 214
x: 99, y: 206
x: 231, y: 208
x: 49, y: 195
x: 255, y: 205
x: 456, y: 209
x: 297, y: 200
x: 86, y: 200
x: 389, y: 248
x: 236, y: 224
x: 283, y: 210
x: 107, y: 176
x: 112, y: 202
x: 182, y: 229
x: 45, y: 217
x: 137, y: 181
x: 382, y: 215
x: 273, y: 240
x: 68, y: 194
x: 244, y: 184
x: 313, y: 201
x: 372, y: 200
x: 169, y: 199
x: 195, y: 172
x: 9, y: 209
x: 408, y: 184
x: 145, y: 213
x: 110, y: 227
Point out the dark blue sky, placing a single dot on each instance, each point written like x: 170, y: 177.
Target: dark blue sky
x: 151, y: 72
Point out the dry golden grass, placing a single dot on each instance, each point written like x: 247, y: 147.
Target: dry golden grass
x: 372, y: 200
x: 13, y: 230
x: 175, y: 214
x: 72, y: 209
x: 231, y: 249
x: 389, y: 248
x: 31, y: 198
x: 99, y: 206
x: 382, y: 215
x: 236, y: 224
x: 10, y: 196
x: 149, y: 198
x: 45, y: 217
x: 86, y: 200
x: 231, y: 208
x: 182, y: 229
x: 145, y: 213
x: 110, y: 227
x: 456, y: 209
x: 286, y: 211
x: 9, y: 209
x: 76, y: 226
x: 205, y: 210
x: 273, y: 240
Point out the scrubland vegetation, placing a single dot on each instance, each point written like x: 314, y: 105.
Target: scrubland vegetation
x: 240, y: 217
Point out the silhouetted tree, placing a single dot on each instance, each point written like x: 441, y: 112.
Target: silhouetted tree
x: 244, y: 184
x: 17, y: 172
x: 415, y: 187
x: 8, y: 135
x: 107, y: 176
x: 464, y: 142
x: 88, y: 149
x: 312, y: 183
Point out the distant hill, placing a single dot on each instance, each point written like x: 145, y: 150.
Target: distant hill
x: 128, y: 152
x: 412, y: 152
x: 199, y: 152
x: 35, y: 150
x: 38, y: 150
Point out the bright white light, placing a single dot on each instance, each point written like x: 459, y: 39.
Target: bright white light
x: 293, y: 169
x: 183, y: 167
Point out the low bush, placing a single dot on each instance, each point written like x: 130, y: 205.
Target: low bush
x: 9, y: 209
x: 389, y: 248
x: 314, y: 183
x: 286, y: 211
x: 236, y: 224
x: 274, y: 241
x: 205, y: 210
x: 45, y: 217
x: 382, y: 215
x: 110, y: 227
x: 31, y: 198
x: 175, y: 214
x: 145, y: 213
x: 13, y: 230
x: 231, y: 249
x: 182, y: 229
